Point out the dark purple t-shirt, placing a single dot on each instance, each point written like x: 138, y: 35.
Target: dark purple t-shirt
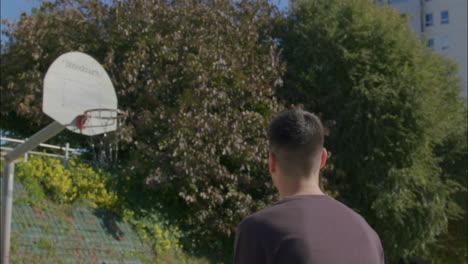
x: 307, y: 229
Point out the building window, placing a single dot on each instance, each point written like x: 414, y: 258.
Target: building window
x: 444, y: 17
x: 429, y: 20
x: 444, y: 43
x: 430, y: 43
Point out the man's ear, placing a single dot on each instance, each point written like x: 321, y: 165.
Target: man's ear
x: 323, y: 158
x: 272, y: 162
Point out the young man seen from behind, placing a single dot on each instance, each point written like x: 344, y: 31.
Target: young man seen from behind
x: 305, y: 225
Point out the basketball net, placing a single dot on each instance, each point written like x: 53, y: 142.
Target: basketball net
x: 104, y: 147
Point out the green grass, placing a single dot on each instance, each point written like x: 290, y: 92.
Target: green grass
x: 46, y: 245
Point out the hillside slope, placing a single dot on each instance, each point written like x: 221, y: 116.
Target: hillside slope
x: 51, y: 233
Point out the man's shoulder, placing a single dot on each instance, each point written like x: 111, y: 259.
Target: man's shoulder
x: 264, y: 214
x: 359, y: 221
x: 261, y: 221
x: 280, y: 209
x: 256, y: 219
x: 316, y: 207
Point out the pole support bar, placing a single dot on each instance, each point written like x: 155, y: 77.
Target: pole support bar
x: 41, y: 136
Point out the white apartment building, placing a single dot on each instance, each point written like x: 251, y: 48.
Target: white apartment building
x: 442, y: 24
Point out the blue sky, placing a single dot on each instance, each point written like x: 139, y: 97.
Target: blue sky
x: 11, y: 9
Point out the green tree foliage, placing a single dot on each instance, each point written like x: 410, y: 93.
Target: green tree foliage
x: 453, y: 155
x: 197, y: 78
x: 390, y: 104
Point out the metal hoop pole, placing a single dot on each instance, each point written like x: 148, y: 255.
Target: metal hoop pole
x: 7, y: 184
x: 7, y: 204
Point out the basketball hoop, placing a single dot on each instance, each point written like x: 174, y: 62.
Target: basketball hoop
x: 116, y: 114
x: 104, y: 117
x: 104, y: 147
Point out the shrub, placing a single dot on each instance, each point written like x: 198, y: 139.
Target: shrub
x: 151, y: 226
x: 66, y: 184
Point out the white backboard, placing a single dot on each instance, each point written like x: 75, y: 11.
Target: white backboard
x: 73, y: 84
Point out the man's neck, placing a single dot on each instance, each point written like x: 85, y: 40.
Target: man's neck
x: 301, y: 187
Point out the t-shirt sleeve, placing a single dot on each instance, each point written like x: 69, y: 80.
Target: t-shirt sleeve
x: 247, y: 247
x: 379, y: 247
x: 382, y: 255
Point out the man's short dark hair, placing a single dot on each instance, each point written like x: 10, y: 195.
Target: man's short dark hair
x: 296, y: 138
